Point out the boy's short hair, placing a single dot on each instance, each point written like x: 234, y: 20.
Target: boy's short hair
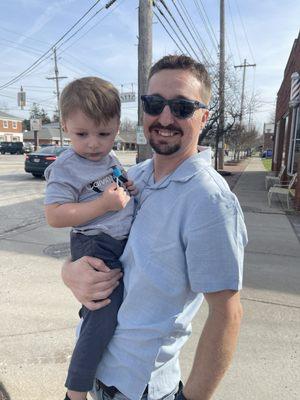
x: 96, y: 98
x: 183, y: 62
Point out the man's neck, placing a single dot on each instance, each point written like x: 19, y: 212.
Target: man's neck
x: 165, y: 165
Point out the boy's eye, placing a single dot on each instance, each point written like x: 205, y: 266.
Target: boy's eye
x: 81, y: 134
x: 104, y: 134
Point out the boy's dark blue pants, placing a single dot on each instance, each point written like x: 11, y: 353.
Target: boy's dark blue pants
x: 98, y: 326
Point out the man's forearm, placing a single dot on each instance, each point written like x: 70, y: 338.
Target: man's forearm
x: 214, y: 353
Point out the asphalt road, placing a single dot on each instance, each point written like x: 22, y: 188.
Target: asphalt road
x: 39, y: 315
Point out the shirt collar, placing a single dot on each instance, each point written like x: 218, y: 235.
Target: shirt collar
x: 184, y: 171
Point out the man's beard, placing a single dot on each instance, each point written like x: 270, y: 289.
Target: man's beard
x: 164, y: 149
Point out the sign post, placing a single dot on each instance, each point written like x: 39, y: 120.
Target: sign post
x: 140, y: 137
x: 35, y: 126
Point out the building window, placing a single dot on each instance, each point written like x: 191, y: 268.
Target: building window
x: 294, y: 153
x: 14, y: 124
x: 5, y: 123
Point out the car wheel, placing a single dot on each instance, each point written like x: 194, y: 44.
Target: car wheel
x: 37, y: 175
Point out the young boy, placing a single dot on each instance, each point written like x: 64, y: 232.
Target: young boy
x: 82, y: 193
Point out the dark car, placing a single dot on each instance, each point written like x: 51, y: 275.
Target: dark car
x: 38, y: 161
x: 267, y: 153
x: 12, y: 147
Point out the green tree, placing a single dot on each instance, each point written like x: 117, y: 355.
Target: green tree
x: 37, y: 112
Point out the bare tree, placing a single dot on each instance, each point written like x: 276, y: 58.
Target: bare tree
x: 211, y: 134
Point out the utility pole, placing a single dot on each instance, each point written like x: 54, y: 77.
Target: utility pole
x: 244, y: 66
x: 220, y: 150
x: 57, y: 78
x: 144, y: 65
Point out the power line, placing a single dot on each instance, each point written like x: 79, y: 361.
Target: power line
x: 246, y: 36
x: 207, y: 53
x: 162, y: 14
x: 234, y: 31
x: 86, y: 22
x: 156, y: 15
x: 46, y: 55
x: 205, y: 60
x: 178, y: 27
x: 206, y: 26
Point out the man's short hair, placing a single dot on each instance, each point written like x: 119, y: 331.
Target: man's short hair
x: 96, y: 98
x: 183, y: 62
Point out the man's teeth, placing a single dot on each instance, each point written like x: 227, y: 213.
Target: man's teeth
x: 165, y: 133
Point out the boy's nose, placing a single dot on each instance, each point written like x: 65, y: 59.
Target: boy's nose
x: 93, y: 143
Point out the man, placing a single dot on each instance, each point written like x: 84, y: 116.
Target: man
x: 187, y: 242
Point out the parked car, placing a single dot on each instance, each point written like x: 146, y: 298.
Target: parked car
x: 12, y: 147
x: 267, y: 153
x: 38, y: 161
x: 28, y: 147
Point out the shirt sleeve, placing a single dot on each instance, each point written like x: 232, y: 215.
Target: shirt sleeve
x: 215, y: 239
x: 60, y: 187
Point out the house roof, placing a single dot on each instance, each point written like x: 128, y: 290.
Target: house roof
x: 4, y: 115
x: 126, y: 137
x: 48, y: 131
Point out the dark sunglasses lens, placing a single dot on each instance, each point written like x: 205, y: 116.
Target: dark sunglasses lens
x: 153, y: 105
x: 182, y: 108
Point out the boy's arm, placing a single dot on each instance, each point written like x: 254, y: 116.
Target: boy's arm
x: 72, y: 214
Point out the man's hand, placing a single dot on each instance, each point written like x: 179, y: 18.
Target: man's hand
x: 115, y: 197
x: 90, y: 280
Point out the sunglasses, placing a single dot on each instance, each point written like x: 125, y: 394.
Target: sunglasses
x: 180, y: 108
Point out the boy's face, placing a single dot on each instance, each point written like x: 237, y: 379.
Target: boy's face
x: 90, y: 139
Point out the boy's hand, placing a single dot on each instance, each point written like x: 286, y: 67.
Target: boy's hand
x: 115, y: 197
x: 132, y: 189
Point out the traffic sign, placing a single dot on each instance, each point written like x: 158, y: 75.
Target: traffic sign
x: 35, y: 124
x: 140, y: 137
x: 127, y: 97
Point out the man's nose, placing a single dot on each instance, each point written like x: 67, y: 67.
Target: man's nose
x: 166, y: 117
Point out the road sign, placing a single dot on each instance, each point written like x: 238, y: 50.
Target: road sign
x: 140, y: 137
x: 35, y: 124
x: 21, y: 98
x: 127, y: 97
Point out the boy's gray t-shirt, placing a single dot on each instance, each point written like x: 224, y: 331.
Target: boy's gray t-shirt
x: 74, y: 179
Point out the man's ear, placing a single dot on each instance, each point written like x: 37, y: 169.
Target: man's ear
x: 205, y: 116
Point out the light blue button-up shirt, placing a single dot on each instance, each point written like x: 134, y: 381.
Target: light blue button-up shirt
x: 187, y: 239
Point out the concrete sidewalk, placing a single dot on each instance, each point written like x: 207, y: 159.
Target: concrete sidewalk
x: 39, y: 314
x: 266, y: 364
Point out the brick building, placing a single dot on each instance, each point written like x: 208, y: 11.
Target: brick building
x: 10, y: 128
x: 287, y: 121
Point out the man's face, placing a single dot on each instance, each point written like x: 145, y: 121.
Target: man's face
x: 90, y: 139
x: 167, y: 134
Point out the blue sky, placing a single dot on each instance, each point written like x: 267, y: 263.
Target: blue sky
x: 260, y: 31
